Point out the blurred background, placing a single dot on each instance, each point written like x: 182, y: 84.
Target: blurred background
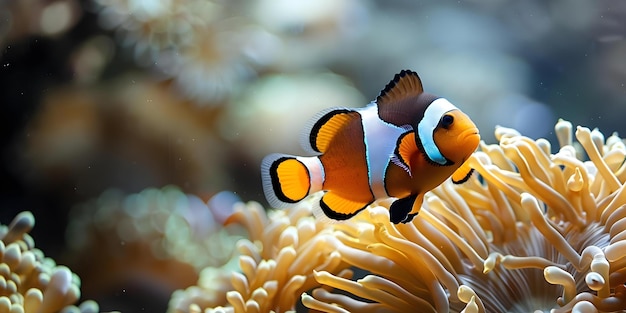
x: 104, y: 103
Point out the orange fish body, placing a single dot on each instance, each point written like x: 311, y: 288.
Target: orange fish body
x: 402, y: 145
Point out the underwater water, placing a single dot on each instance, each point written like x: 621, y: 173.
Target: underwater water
x: 122, y: 120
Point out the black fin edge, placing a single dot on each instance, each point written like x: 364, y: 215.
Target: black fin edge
x: 466, y: 178
x: 338, y: 216
x: 394, y: 81
x: 409, y: 218
x: 276, y: 181
x: 318, y: 125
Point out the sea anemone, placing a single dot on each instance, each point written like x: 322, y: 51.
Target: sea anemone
x: 153, y: 26
x: 314, y: 33
x: 157, y: 238
x: 534, y: 231
x: 208, y: 48
x: 276, y: 265
x: 162, y: 219
x: 220, y: 58
x: 31, y: 282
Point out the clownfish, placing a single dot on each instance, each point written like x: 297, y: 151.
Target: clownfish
x: 400, y: 146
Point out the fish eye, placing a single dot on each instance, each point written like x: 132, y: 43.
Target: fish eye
x: 446, y: 121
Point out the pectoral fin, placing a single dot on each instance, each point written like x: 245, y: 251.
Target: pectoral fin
x: 462, y: 174
x: 405, y: 148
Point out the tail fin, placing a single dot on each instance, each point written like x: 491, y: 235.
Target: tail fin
x: 289, y: 179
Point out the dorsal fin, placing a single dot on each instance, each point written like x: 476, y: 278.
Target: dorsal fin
x: 405, y: 84
x: 403, y: 101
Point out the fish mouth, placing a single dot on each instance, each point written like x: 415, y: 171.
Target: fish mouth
x: 470, y: 134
